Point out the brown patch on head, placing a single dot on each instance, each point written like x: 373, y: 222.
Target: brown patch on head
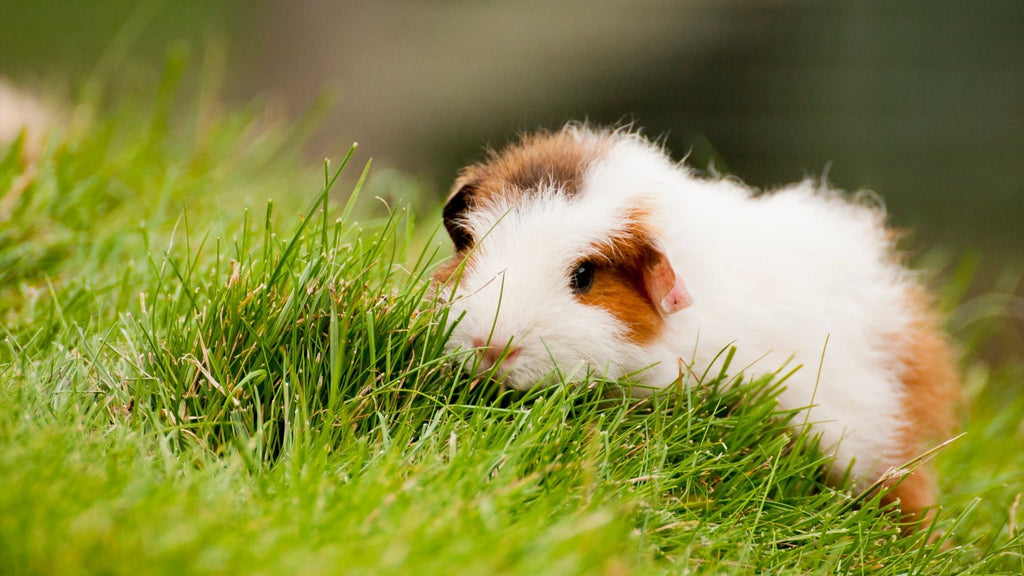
x: 556, y: 160
x: 619, y: 287
x: 931, y: 395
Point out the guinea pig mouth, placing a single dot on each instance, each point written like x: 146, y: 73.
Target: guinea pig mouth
x: 508, y: 373
x: 515, y: 383
x: 523, y: 377
x: 517, y: 365
x: 502, y: 373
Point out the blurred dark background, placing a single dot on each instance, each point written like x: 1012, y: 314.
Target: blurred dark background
x: 920, y: 101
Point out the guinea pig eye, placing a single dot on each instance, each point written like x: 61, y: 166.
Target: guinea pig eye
x: 582, y: 278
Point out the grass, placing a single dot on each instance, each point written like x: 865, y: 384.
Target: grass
x: 193, y: 381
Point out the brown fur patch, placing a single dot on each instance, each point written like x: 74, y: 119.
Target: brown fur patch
x: 916, y: 495
x: 620, y: 291
x: 446, y: 272
x: 619, y: 280
x: 558, y: 159
x: 931, y: 379
x: 932, y: 392
x: 547, y: 158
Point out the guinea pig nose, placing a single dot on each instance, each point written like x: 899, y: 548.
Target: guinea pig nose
x: 492, y: 353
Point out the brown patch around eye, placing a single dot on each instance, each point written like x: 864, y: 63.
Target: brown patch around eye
x: 618, y: 284
x: 620, y: 292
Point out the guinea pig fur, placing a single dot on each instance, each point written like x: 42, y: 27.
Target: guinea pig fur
x: 591, y: 251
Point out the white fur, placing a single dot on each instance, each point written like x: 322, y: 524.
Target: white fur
x: 775, y: 275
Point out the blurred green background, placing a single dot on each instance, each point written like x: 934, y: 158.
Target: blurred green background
x: 920, y: 101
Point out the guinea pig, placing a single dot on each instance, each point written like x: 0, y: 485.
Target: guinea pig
x: 584, y: 251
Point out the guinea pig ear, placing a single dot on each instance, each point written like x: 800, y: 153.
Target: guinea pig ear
x: 663, y: 284
x: 460, y: 201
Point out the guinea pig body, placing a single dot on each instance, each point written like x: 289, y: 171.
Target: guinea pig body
x: 585, y: 251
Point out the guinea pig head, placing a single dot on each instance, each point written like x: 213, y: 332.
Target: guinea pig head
x: 550, y: 279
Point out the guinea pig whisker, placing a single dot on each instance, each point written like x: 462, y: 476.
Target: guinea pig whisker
x: 465, y: 295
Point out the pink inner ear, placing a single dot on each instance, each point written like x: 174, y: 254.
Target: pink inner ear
x: 663, y: 284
